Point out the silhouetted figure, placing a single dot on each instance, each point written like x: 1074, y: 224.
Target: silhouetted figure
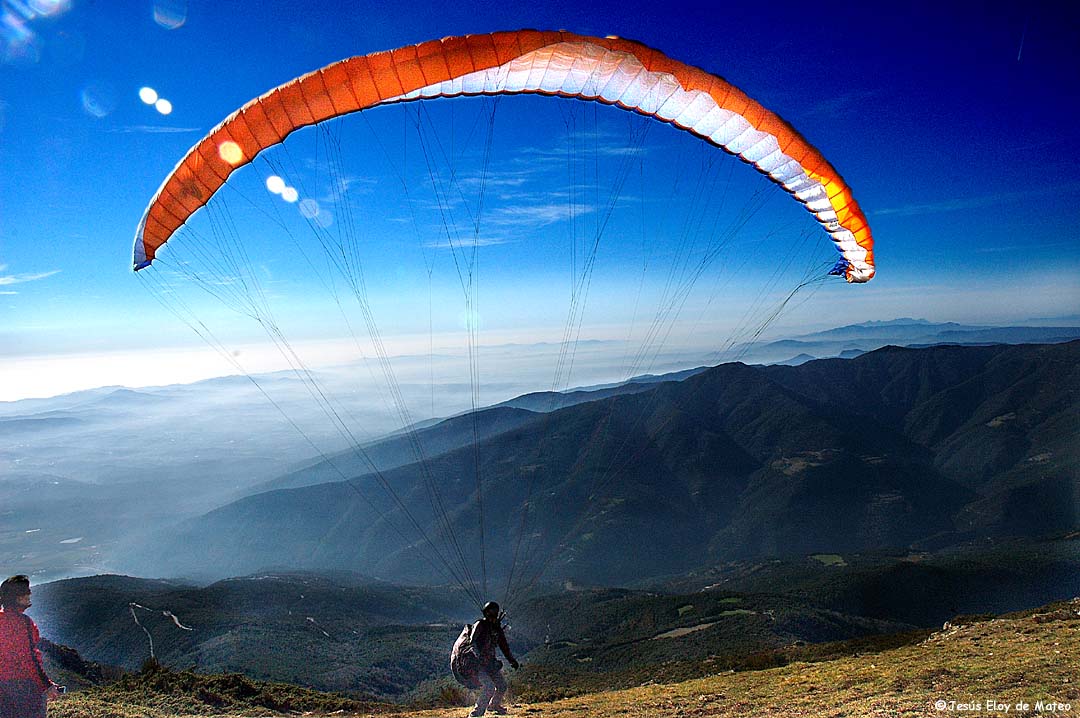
x: 487, y: 634
x: 24, y: 687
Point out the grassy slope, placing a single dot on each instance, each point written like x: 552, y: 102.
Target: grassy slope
x: 1007, y: 660
x: 1028, y: 657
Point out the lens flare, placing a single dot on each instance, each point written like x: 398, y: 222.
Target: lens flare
x: 49, y: 8
x: 148, y: 95
x: 310, y: 209
x: 170, y: 14
x: 230, y: 152
x: 19, y: 45
x: 275, y: 185
x: 290, y: 195
x: 163, y: 106
x: 98, y: 99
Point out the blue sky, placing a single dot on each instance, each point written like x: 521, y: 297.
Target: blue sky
x: 954, y: 123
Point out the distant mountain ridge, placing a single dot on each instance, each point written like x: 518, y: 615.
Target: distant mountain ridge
x: 439, y: 436
x: 898, y: 447
x: 399, y: 449
x: 867, y: 336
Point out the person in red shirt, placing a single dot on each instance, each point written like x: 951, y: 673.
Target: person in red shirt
x: 24, y: 687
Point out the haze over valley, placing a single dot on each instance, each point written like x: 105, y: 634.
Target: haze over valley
x: 107, y: 480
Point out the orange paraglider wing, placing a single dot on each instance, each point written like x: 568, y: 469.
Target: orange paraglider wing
x: 609, y: 70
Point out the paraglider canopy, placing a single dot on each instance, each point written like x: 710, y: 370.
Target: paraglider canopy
x: 609, y: 70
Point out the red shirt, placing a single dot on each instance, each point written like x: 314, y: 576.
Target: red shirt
x: 20, y: 657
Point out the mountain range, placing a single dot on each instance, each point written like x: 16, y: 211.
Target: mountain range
x: 897, y: 449
x: 84, y: 476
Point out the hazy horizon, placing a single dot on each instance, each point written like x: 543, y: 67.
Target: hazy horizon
x: 50, y: 376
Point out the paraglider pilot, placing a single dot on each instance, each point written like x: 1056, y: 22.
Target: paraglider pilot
x: 487, y: 633
x: 24, y: 687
